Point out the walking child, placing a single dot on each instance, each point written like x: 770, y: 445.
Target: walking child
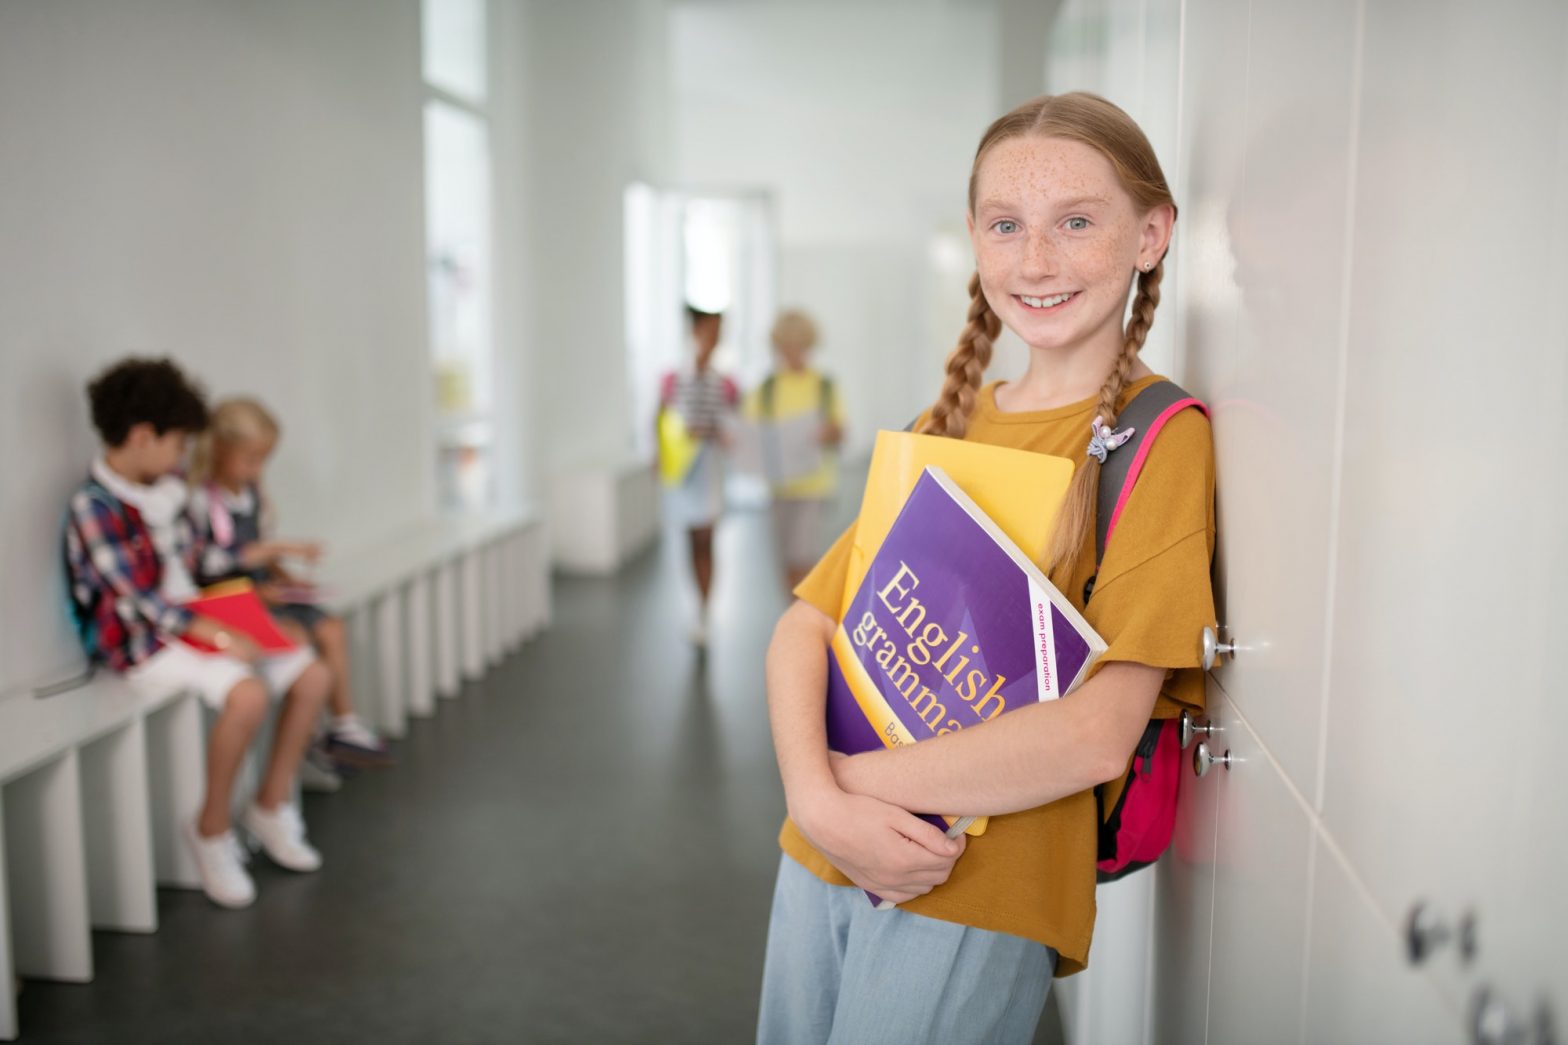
x: 797, y: 392
x: 705, y: 401
x: 1069, y: 214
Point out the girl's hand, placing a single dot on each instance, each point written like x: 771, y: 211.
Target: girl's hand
x: 270, y: 592
x: 258, y: 554
x: 880, y: 847
x: 310, y: 551
x: 244, y: 647
x: 831, y: 434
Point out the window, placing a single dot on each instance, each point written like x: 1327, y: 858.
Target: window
x: 458, y: 249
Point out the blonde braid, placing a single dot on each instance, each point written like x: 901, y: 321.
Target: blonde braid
x: 949, y: 415
x: 1077, y: 515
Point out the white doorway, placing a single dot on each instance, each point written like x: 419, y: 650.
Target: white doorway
x: 717, y: 251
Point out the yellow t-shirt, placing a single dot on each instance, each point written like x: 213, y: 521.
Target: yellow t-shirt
x: 1032, y: 873
x: 798, y: 392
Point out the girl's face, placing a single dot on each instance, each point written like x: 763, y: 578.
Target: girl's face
x: 1057, y: 241
x: 241, y: 463
x: 706, y: 332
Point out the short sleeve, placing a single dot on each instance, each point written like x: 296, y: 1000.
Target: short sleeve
x: 823, y: 587
x: 1153, y: 595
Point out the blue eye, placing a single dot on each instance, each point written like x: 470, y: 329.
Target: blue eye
x: 1006, y: 226
x: 1077, y: 224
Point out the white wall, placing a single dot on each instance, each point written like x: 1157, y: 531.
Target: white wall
x: 1368, y: 265
x: 593, y: 91
x: 861, y: 119
x: 234, y: 184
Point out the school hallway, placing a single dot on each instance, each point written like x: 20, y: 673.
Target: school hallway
x: 579, y: 848
x: 484, y: 274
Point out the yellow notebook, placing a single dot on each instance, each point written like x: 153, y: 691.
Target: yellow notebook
x: 1020, y: 490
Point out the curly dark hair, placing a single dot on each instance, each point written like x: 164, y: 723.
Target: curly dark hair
x: 145, y: 391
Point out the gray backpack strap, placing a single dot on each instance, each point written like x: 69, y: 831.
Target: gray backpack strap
x: 1146, y: 415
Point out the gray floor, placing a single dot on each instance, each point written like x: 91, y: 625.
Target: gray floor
x: 580, y: 848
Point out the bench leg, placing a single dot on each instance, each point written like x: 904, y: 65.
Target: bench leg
x: 120, y: 885
x: 7, y: 969
x: 176, y: 779
x: 537, y: 570
x: 390, y: 675
x: 472, y: 627
x: 448, y: 674
x: 497, y: 581
x: 363, y: 664
x: 512, y: 591
x: 421, y: 685
x: 50, y: 930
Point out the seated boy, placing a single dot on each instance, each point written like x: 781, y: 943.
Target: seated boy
x: 129, y: 553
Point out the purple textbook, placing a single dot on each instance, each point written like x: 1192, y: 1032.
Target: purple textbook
x: 952, y: 626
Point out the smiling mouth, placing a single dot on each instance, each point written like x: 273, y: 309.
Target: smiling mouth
x: 1045, y: 304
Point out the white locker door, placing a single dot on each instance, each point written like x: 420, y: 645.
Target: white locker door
x: 1183, y: 913
x: 1276, y: 410
x: 1260, y: 889
x: 1454, y: 386
x: 1360, y: 990
x: 1522, y: 931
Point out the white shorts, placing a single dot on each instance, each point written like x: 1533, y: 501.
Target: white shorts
x: 214, y: 675
x: 699, y: 500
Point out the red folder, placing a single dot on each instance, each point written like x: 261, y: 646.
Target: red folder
x: 237, y: 607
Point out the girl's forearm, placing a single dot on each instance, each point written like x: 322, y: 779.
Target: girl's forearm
x: 1024, y: 759
x: 797, y: 675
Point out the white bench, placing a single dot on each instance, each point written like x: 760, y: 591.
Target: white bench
x: 95, y: 780
x: 90, y: 784
x: 601, y: 516
x: 477, y: 586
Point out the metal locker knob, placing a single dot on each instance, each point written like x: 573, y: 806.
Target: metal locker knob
x: 1204, y: 760
x: 1427, y: 931
x: 1188, y: 727
x: 1213, y: 648
x: 1492, y: 1022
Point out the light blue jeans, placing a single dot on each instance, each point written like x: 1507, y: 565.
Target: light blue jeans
x: 839, y: 971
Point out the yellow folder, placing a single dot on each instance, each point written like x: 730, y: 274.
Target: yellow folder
x: 1020, y: 490
x: 677, y: 449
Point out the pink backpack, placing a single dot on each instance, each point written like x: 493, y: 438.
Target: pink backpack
x: 1138, y: 828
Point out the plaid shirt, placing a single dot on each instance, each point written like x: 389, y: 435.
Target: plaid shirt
x: 115, y: 575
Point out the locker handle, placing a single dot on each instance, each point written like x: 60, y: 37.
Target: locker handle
x: 1426, y: 931
x: 1204, y: 760
x: 1214, y: 647
x: 1187, y: 728
x: 1492, y: 1022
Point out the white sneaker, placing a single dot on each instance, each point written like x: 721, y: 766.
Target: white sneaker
x: 281, y: 834
x: 221, y: 863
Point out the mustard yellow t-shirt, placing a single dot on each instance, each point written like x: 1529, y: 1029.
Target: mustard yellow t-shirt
x: 796, y: 393
x: 1032, y: 873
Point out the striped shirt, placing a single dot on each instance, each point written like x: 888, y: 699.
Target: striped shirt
x: 703, y: 399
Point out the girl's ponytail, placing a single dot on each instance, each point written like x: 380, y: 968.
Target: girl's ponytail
x: 949, y: 415
x: 1077, y: 515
